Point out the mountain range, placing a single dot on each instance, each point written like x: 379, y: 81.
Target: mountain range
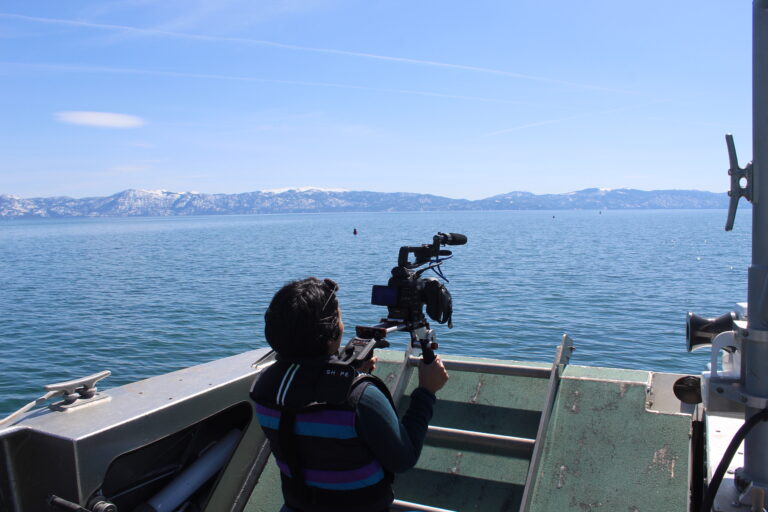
x: 147, y: 203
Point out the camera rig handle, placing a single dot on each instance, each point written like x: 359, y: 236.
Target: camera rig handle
x: 367, y: 338
x: 360, y: 348
x: 425, y: 337
x: 427, y: 252
x: 427, y: 353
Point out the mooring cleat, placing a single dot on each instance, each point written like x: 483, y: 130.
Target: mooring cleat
x: 84, y: 387
x: 737, y: 174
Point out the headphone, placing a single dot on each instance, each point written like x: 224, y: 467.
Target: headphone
x: 328, y: 322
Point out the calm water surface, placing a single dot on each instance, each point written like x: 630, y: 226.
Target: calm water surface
x: 146, y: 296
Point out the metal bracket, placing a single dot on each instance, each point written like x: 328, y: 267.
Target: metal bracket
x: 721, y: 342
x: 737, y: 174
x: 732, y: 390
x: 728, y: 382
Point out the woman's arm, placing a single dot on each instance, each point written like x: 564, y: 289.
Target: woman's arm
x: 395, y: 444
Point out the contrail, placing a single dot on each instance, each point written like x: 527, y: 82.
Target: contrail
x: 569, y: 118
x: 134, y: 71
x: 531, y: 125
x: 273, y: 44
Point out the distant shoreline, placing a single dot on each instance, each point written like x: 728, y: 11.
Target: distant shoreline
x: 141, y: 203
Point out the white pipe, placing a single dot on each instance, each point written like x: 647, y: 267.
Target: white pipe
x: 192, y: 478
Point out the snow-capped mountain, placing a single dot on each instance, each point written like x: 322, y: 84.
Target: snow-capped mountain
x: 135, y: 203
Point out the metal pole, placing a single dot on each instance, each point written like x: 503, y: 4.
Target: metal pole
x: 754, y: 371
x: 512, y: 369
x: 469, y: 439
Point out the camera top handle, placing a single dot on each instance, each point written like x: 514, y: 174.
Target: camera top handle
x: 429, y: 252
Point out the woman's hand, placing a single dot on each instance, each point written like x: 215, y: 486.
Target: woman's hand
x: 433, y: 376
x: 369, y: 365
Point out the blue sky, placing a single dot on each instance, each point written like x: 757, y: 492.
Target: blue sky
x: 452, y: 98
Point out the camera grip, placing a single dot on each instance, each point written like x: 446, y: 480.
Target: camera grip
x: 427, y: 352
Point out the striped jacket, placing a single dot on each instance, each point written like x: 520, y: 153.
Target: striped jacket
x: 307, y: 411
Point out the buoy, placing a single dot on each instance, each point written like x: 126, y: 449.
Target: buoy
x: 354, y: 231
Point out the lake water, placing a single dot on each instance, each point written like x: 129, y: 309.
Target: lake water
x: 144, y: 296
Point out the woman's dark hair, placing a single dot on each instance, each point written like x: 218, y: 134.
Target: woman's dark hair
x: 302, y: 318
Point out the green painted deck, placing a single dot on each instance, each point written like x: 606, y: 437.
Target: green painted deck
x: 457, y: 478
x: 603, y: 450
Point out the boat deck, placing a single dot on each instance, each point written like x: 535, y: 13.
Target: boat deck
x: 505, y: 436
x: 614, y: 440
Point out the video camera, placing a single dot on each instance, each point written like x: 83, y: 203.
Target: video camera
x: 405, y: 296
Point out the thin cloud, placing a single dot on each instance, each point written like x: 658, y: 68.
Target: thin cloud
x: 569, y: 118
x: 99, y: 119
x: 531, y: 125
x: 284, y: 46
x: 179, y: 74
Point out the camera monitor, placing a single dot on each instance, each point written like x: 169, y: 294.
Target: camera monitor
x: 384, y: 295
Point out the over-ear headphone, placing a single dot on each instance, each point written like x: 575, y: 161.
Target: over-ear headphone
x: 328, y: 320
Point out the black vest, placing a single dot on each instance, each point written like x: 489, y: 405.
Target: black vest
x: 307, y: 411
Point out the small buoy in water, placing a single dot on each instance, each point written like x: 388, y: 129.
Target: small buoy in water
x: 354, y: 231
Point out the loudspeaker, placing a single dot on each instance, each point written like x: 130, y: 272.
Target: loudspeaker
x: 700, y: 331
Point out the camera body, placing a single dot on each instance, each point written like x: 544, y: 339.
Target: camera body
x: 406, y: 294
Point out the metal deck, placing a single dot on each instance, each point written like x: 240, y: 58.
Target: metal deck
x: 605, y: 446
x: 505, y: 436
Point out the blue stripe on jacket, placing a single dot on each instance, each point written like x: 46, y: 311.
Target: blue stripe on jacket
x: 347, y: 486
x: 364, y: 476
x: 311, y: 428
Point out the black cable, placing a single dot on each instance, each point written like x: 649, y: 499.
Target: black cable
x: 738, y: 438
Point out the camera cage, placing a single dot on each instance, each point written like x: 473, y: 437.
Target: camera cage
x: 429, y: 253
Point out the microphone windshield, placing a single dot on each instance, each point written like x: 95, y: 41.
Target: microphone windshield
x: 455, y: 239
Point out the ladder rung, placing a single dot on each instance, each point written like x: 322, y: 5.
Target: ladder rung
x: 518, y: 445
